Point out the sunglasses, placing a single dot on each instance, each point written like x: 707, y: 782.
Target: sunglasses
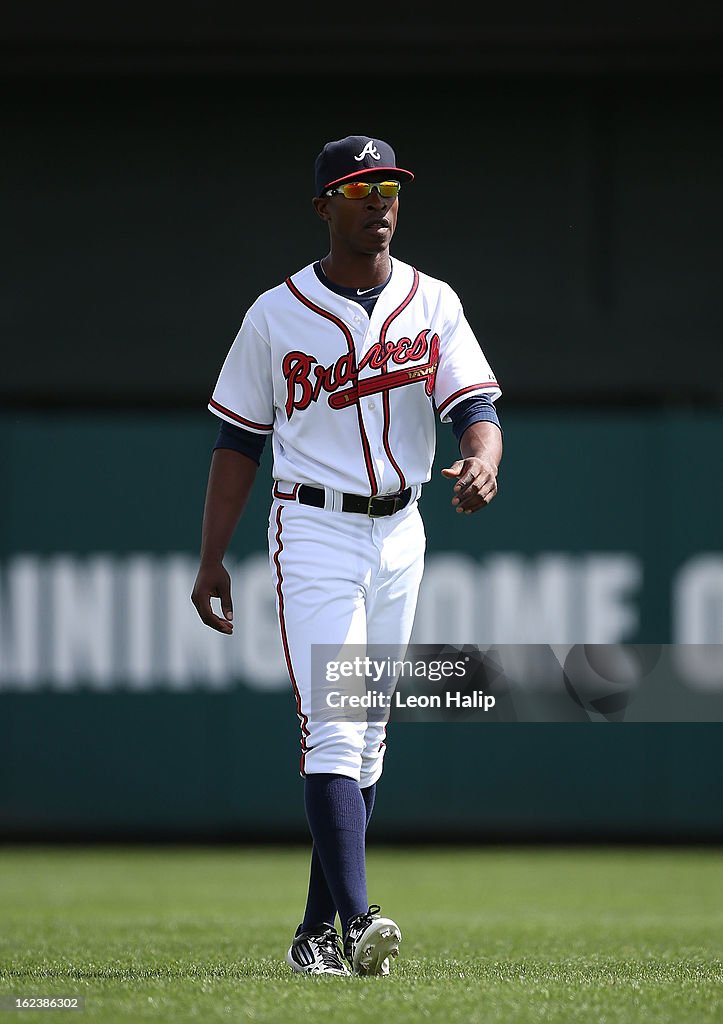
x: 361, y: 189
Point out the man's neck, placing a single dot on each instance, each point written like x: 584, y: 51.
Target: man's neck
x: 362, y: 273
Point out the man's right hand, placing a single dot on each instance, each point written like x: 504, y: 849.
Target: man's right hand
x: 213, y: 581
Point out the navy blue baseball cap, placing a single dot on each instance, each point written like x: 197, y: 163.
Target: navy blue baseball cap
x: 354, y: 157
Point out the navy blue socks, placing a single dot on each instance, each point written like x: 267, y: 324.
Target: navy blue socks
x: 369, y: 794
x: 338, y: 813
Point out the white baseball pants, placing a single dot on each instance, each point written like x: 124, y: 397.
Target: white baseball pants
x: 342, y: 579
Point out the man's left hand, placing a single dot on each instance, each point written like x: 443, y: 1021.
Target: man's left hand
x: 476, y: 483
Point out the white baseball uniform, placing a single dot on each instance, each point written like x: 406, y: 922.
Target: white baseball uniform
x: 350, y: 400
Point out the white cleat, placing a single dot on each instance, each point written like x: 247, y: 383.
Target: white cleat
x: 370, y: 941
x: 317, y: 952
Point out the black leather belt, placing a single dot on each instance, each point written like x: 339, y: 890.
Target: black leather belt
x: 381, y: 505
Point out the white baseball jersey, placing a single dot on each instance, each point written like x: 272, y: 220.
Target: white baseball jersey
x: 351, y: 399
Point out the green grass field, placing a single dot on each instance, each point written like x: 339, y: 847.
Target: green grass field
x: 513, y: 935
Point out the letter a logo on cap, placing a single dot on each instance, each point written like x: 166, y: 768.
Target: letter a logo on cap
x: 371, y: 149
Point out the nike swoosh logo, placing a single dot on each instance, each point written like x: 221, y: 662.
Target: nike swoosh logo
x: 365, y: 291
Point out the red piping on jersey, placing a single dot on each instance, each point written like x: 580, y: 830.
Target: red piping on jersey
x: 350, y: 345
x: 240, y: 419
x: 285, y: 642
x: 464, y: 391
x: 385, y: 396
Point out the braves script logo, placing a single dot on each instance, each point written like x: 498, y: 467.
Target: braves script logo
x: 306, y: 378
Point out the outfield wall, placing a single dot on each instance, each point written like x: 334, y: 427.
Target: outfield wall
x: 122, y: 715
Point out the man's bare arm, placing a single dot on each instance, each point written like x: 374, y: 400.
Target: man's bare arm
x: 476, y: 472
x: 230, y: 480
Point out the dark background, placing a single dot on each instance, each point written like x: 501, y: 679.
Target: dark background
x: 157, y: 175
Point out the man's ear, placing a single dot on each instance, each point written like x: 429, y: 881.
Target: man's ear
x: 320, y: 204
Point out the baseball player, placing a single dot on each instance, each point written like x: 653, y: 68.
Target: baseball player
x: 346, y: 364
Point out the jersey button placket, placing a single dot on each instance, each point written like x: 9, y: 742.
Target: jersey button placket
x: 372, y: 415
x: 371, y: 408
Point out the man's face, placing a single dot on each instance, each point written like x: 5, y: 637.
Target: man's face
x: 363, y: 226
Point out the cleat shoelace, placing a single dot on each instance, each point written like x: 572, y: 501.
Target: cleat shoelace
x: 364, y: 920
x: 329, y: 949
x: 357, y: 926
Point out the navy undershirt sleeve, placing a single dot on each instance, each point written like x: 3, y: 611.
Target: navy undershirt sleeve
x: 472, y: 410
x: 240, y: 440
